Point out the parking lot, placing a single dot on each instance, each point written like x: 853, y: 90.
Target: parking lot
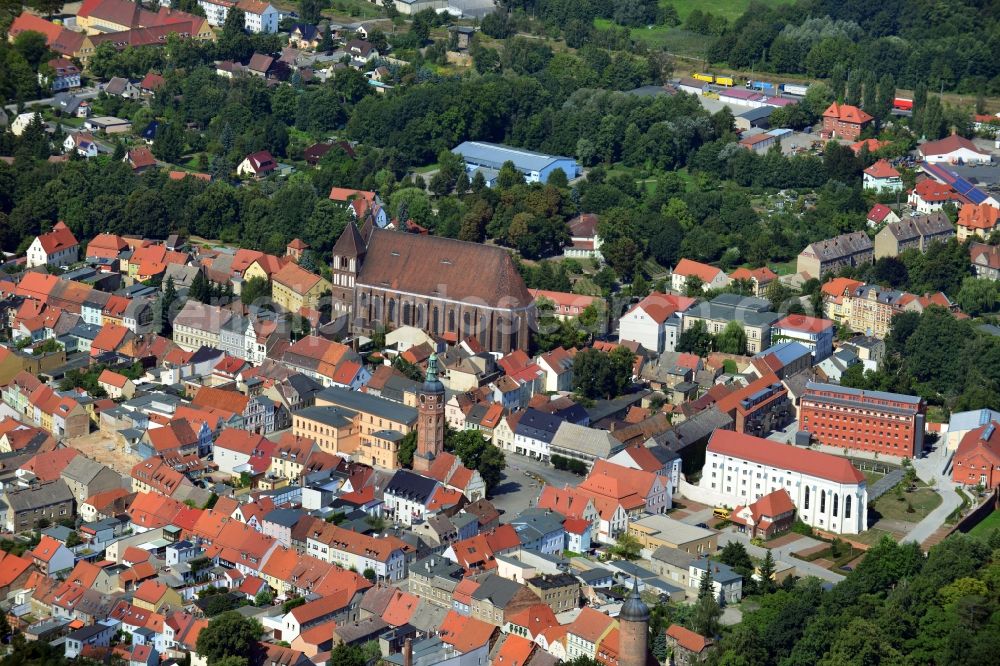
x: 524, y: 478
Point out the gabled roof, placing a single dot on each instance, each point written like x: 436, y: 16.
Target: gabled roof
x: 984, y: 440
x: 296, y: 278
x: 784, y: 456
x: 846, y: 113
x: 878, y: 213
x: 465, y: 633
x: 660, y: 307
x: 57, y: 240
x: 882, y: 169
x: 590, y: 625
x: 690, y: 268
x: 687, y: 639
x: 948, y: 145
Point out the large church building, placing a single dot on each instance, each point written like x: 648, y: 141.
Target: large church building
x: 451, y: 289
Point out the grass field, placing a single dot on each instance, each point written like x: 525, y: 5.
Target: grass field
x: 923, y: 499
x: 731, y: 9
x: 871, y: 477
x: 990, y: 523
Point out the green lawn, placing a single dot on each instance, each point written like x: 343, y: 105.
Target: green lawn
x: 731, y: 9
x: 923, y: 499
x: 990, y: 523
x: 871, y: 477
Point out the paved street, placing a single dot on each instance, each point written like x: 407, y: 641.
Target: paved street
x: 783, y: 554
x: 518, y: 491
x: 83, y: 93
x: 933, y: 469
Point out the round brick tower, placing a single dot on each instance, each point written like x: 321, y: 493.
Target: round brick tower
x: 633, y: 629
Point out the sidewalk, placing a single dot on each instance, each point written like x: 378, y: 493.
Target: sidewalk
x: 784, y: 554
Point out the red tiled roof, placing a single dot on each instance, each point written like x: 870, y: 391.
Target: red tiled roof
x: 661, y: 307
x: 687, y: 639
x: 28, y: 21
x: 465, y: 633
x: 796, y: 322
x: 48, y: 466
x: 535, y: 618
x: 141, y: 158
x: 784, y: 456
x: 762, y: 274
x: 150, y: 591
x: 689, y: 268
x: 515, y: 651
x: 837, y: 286
x: 846, y: 113
x: 590, y: 624
x: 11, y: 568
x: 933, y: 192
x: 983, y: 216
x: 58, y: 239
x: 46, y: 548
x: 882, y: 169
x: 948, y: 145
x: 879, y: 212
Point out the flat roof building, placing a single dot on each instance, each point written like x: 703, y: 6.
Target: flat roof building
x: 536, y: 167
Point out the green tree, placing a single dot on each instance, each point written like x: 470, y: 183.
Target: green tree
x: 766, y: 583
x: 732, y: 339
x: 166, y: 303
x: 705, y: 619
x: 598, y: 374
x: 695, y: 340
x: 254, y: 290
x: 32, y: 47
x: 978, y: 296
x: 477, y: 453
x: 627, y: 547
x: 169, y: 144
x: 263, y: 598
x: 228, y: 634
x: 47, y: 7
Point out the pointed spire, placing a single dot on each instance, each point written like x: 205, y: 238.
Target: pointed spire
x: 432, y: 368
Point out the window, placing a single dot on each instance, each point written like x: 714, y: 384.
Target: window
x: 847, y: 507
x: 805, y: 504
x: 822, y: 501
x: 836, y: 499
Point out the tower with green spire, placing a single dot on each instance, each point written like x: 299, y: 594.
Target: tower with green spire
x: 430, y: 419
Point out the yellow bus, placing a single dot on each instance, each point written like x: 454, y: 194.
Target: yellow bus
x: 724, y: 80
x: 721, y: 512
x: 708, y: 78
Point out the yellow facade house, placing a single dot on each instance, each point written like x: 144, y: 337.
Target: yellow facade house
x: 294, y: 288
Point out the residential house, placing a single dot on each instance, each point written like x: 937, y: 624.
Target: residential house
x: 844, y: 121
x: 294, y: 288
x: 881, y: 214
x: 929, y: 196
x: 86, y: 477
x: 585, y: 633
x: 913, y: 233
x: 557, y: 365
x: 140, y: 159
x: 977, y: 220
x: 659, y: 530
x: 65, y: 75
x: 496, y: 599
x: 811, y: 332
x: 51, y: 556
x: 654, y: 322
x: 257, y: 165
x: 584, y: 242
x: 709, y: 277
x: 84, y: 145
x: 881, y: 177
x: 829, y: 256
x: 977, y: 459
x: 759, y: 278
x: 51, y: 501
x: 687, y: 647
x: 985, y: 260
x: 770, y: 515
x: 727, y: 584
x: 754, y: 314
x: 58, y: 247
x: 116, y: 385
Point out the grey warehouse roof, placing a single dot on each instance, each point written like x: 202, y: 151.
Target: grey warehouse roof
x: 492, y: 155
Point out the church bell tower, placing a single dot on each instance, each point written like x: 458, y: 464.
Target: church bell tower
x: 430, y: 420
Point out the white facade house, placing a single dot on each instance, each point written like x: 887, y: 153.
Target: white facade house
x: 257, y: 16
x: 82, y: 143
x: 882, y: 177
x: 55, y: 248
x: 710, y: 276
x: 828, y: 492
x: 22, y: 121
x: 646, y: 323
x: 953, y: 149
